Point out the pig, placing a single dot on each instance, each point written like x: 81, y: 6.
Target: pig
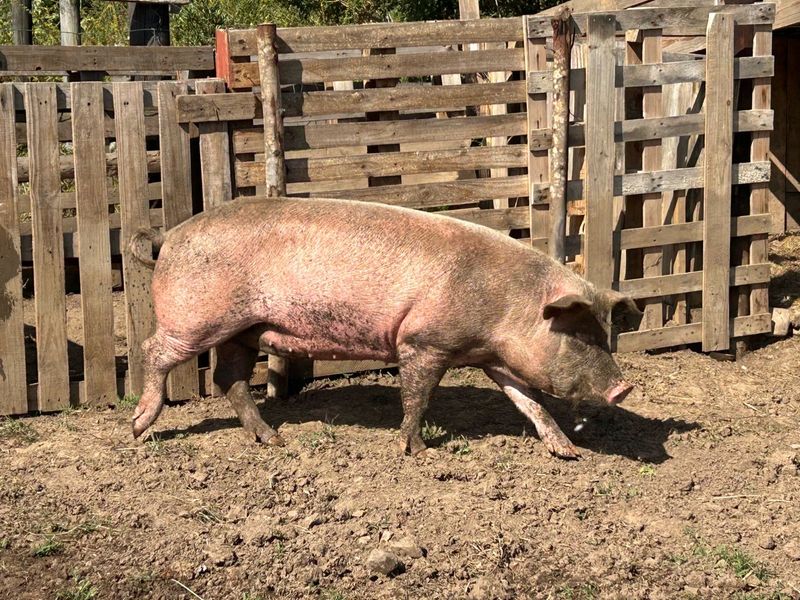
x: 339, y: 279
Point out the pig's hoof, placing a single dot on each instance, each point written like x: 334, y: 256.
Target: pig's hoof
x: 562, y: 449
x: 275, y: 440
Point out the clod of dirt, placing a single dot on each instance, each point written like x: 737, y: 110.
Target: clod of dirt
x: 484, y: 589
x: 382, y: 562
x: 767, y: 542
x: 406, y: 547
x: 792, y: 549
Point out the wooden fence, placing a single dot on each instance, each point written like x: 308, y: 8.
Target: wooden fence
x: 666, y: 198
x: 76, y: 180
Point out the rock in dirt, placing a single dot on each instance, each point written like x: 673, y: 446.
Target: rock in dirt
x: 767, y: 542
x: 792, y: 549
x: 382, y: 562
x: 406, y: 547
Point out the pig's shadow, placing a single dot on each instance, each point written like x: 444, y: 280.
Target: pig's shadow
x: 473, y: 412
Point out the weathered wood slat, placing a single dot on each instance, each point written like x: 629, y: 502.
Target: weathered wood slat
x: 717, y: 169
x: 634, y: 130
x: 387, y: 164
x: 151, y: 192
x: 183, y: 382
x: 384, y: 132
x: 686, y: 20
x: 600, y: 108
x: 242, y: 42
x: 667, y: 285
x: 502, y: 219
x: 314, y: 70
x: 662, y: 181
x: 537, y: 114
x: 63, y: 96
x: 65, y: 126
x: 48, y: 253
x: 133, y: 186
x: 99, y: 368
x: 69, y: 227
x: 759, y: 151
x: 108, y: 59
x: 445, y: 193
x: 215, y: 160
x: 667, y: 337
x: 13, y: 398
x: 682, y: 233
x: 66, y: 165
x: 244, y: 106
x: 664, y: 73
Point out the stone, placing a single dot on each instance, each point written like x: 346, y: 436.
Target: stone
x: 406, y: 547
x: 767, y: 542
x: 382, y: 562
x: 792, y: 549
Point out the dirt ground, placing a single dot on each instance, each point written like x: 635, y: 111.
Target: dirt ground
x: 691, y: 489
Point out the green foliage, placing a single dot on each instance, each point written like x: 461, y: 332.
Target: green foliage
x: 47, y: 548
x: 128, y: 401
x: 82, y: 590
x: 17, y: 429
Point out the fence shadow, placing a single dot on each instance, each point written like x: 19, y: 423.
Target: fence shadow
x: 473, y: 412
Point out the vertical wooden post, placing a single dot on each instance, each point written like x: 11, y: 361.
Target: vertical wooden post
x: 717, y: 209
x: 600, y: 150
x: 70, y: 16
x: 537, y: 107
x: 215, y: 171
x: 222, y: 56
x: 13, y: 386
x: 176, y: 185
x: 22, y: 22
x: 91, y: 195
x: 562, y: 46
x: 41, y: 115
x: 278, y: 375
x: 134, y: 213
x: 759, y: 151
x: 651, y: 161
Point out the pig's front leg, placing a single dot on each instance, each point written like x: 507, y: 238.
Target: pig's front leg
x: 556, y: 442
x: 421, y: 369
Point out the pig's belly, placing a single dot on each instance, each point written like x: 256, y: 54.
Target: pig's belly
x: 324, y: 347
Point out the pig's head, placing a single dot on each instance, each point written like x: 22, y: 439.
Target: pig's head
x: 580, y: 365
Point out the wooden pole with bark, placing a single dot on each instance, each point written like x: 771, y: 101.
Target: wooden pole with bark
x: 563, y: 37
x: 278, y: 375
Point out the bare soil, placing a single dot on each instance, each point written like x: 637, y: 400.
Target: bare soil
x: 690, y: 490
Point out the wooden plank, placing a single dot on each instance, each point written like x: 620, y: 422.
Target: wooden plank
x: 717, y: 204
x: 664, y: 73
x: 681, y: 283
x: 396, y: 163
x: 183, y: 382
x: 653, y: 258
x: 315, y: 70
x: 537, y: 118
x: 48, y: 262
x: 685, y: 20
x: 152, y: 192
x: 502, y: 219
x: 109, y: 59
x: 243, y: 106
x: 444, y: 193
x: 680, y: 233
x: 679, y: 335
x: 381, y: 35
x: 759, y: 151
x: 99, y: 366
x: 64, y: 99
x: 384, y: 132
x: 632, y: 130
x: 663, y: 181
x: 13, y: 398
x: 66, y: 165
x: 215, y: 161
x: 598, y: 253
x: 139, y: 322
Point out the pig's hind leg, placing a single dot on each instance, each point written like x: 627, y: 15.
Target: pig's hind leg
x: 550, y: 433
x: 235, y: 362
x: 420, y: 373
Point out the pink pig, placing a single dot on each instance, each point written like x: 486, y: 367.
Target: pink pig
x: 336, y: 279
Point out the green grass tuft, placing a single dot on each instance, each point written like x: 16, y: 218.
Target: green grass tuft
x: 17, y: 429
x: 128, y: 401
x: 49, y: 547
x: 82, y: 590
x: 431, y: 431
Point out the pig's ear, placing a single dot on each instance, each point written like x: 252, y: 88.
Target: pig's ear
x: 625, y: 315
x: 568, y: 304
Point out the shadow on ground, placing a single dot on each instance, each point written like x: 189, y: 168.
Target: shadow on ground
x: 472, y: 412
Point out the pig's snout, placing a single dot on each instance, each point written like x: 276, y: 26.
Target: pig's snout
x: 617, y: 393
